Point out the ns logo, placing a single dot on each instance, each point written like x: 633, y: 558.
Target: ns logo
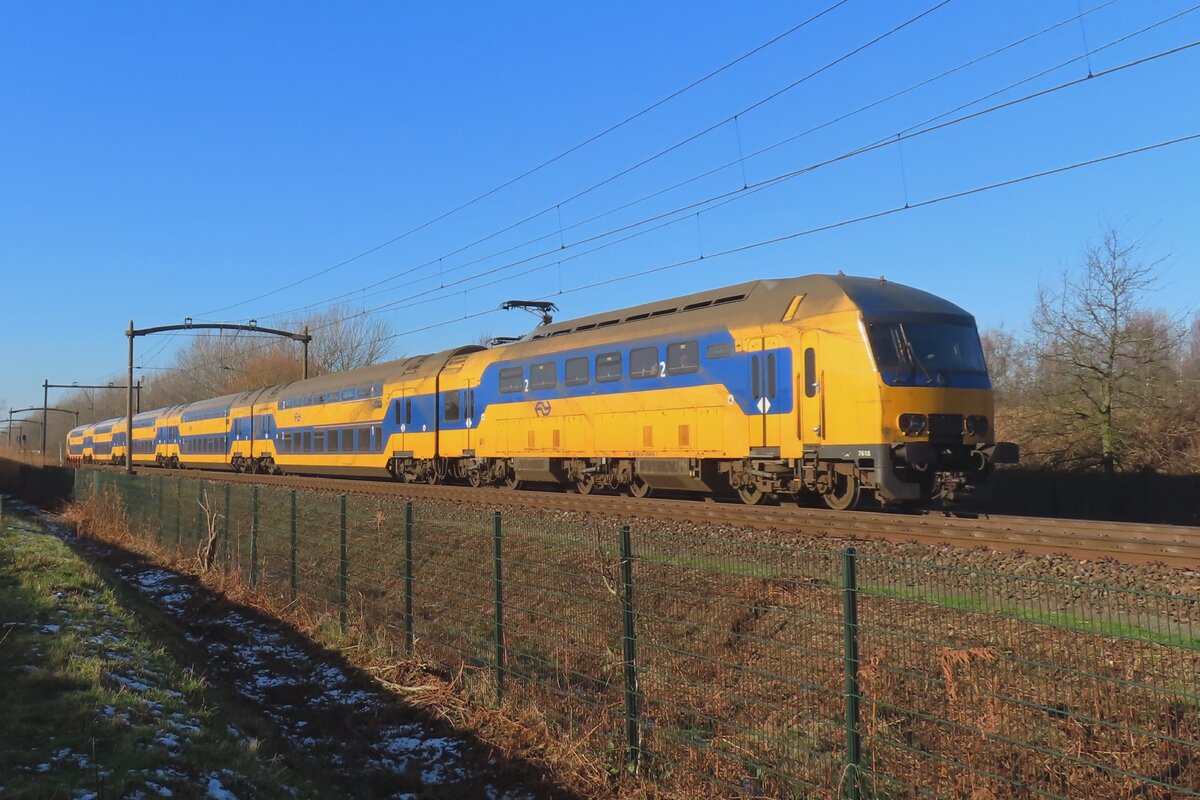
x: 542, y: 408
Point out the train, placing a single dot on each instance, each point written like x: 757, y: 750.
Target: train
x: 829, y: 388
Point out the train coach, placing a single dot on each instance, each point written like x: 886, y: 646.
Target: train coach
x: 827, y: 386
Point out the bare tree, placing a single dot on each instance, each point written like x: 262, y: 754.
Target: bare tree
x: 1101, y: 357
x: 344, y: 339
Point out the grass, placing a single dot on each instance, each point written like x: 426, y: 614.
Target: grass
x: 740, y: 668
x: 90, y: 700
x: 1104, y: 626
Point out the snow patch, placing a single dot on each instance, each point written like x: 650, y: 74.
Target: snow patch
x: 217, y: 791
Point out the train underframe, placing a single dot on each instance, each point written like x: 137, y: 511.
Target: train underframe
x: 839, y: 475
x: 897, y: 474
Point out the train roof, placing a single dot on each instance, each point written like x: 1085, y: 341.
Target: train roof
x: 760, y: 301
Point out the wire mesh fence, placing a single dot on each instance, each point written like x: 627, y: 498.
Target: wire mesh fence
x: 731, y: 667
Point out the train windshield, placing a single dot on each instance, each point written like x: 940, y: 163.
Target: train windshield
x: 927, y: 353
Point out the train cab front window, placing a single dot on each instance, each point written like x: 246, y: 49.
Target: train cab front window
x: 925, y: 353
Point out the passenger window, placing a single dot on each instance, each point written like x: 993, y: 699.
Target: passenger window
x: 643, y: 362
x: 608, y: 367
x: 720, y: 350
x: 308, y: 442
x: 810, y: 373
x: 683, y: 357
x: 363, y: 445
x: 318, y: 440
x: 771, y: 375
x: 543, y: 375
x: 450, y: 406
x: 408, y: 411
x: 347, y: 440
x: 577, y: 371
x: 512, y: 379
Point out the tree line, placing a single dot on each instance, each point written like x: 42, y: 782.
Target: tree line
x: 1101, y: 380
x: 225, y: 363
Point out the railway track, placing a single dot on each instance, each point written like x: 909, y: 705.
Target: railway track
x: 1131, y: 543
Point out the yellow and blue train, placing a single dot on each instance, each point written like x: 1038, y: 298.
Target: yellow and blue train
x: 823, y: 385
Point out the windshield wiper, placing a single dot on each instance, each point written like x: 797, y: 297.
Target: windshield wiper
x: 906, y: 349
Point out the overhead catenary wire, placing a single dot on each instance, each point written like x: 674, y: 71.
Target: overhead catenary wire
x: 1125, y: 66
x: 359, y: 292
x: 770, y: 182
x: 1194, y: 137
x: 553, y: 159
x: 686, y: 212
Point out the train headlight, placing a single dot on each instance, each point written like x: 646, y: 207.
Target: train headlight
x: 977, y: 425
x: 913, y: 424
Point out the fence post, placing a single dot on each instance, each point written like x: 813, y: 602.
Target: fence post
x: 158, y: 530
x: 292, y: 555
x: 498, y: 562
x: 225, y: 531
x: 253, y: 537
x: 343, y: 569
x: 178, y: 513
x: 409, y: 636
x: 629, y: 642
x: 200, y: 512
x: 850, y: 636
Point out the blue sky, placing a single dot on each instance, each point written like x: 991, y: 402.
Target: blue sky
x: 163, y: 160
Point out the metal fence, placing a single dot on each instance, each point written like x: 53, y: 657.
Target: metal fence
x: 733, y: 667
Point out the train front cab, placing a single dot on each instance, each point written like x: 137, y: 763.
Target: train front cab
x: 893, y: 396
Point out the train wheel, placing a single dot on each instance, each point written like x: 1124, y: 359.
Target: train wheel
x: 843, y: 493
x: 475, y: 478
x: 586, y: 484
x: 751, y: 495
x: 511, y: 481
x: 639, y: 488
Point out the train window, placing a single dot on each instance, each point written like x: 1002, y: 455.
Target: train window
x: 608, y: 367
x: 577, y: 371
x: 512, y: 379
x: 347, y: 440
x: 318, y: 441
x: 469, y: 411
x: 408, y: 411
x: 643, y: 362
x: 683, y: 357
x: 810, y: 373
x: 771, y: 375
x: 756, y: 377
x: 543, y: 375
x: 363, y: 443
x: 308, y: 442
x: 377, y: 438
x: 719, y: 350
x: 450, y: 406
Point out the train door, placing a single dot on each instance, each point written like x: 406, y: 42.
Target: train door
x: 469, y: 420
x: 404, y: 418
x: 811, y: 391
x: 764, y: 390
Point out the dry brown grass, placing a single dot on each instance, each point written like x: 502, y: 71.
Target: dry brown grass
x: 464, y: 697
x: 739, y: 658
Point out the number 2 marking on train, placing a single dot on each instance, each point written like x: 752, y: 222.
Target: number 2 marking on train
x: 662, y: 369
